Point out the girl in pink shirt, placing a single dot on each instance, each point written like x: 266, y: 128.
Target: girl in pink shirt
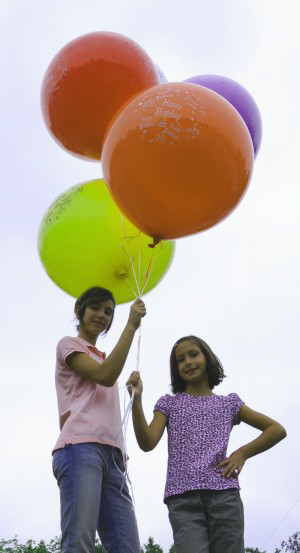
x: 88, y: 454
x: 202, y: 490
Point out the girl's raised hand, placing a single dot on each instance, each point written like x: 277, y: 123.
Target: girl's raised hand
x: 134, y: 381
x: 137, y: 311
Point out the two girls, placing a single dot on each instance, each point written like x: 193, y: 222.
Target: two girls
x: 202, y: 489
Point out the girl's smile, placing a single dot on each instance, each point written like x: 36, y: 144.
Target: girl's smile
x: 190, y: 372
x: 99, y: 324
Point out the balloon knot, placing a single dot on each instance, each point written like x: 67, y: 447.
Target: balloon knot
x: 156, y: 241
x: 122, y: 273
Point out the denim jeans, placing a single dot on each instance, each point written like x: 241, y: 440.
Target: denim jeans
x: 94, y: 496
x: 207, y: 521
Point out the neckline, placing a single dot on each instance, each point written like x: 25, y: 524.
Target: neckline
x: 84, y: 340
x: 204, y: 396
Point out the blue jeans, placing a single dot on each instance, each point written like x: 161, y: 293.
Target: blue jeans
x: 94, y: 496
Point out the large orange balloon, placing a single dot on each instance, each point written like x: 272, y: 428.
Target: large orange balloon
x: 177, y: 159
x: 87, y: 82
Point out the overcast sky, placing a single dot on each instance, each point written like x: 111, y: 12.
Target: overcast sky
x: 235, y: 285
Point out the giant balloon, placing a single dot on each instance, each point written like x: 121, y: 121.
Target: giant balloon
x: 178, y: 158
x: 87, y: 82
x: 239, y: 97
x: 85, y: 241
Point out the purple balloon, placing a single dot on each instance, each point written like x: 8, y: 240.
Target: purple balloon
x: 162, y: 77
x: 239, y: 97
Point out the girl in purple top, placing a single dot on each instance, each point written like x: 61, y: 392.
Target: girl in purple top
x: 202, y: 489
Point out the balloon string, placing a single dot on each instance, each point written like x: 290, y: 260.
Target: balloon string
x: 148, y: 272
x: 131, y: 259
x: 140, y: 264
x: 140, y: 290
x: 128, y: 410
x: 131, y: 262
x: 275, y: 530
x: 136, y: 273
x: 137, y: 276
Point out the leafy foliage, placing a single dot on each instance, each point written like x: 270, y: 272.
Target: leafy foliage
x: 292, y: 545
x: 151, y: 547
x: 252, y: 550
x: 13, y: 546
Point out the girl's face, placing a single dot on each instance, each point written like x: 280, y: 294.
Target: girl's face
x: 97, y: 317
x: 191, y: 362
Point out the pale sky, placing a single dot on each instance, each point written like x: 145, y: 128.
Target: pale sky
x: 235, y: 285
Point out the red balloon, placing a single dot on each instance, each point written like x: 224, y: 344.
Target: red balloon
x: 85, y: 85
x: 177, y: 159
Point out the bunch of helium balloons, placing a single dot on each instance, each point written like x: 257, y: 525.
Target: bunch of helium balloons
x: 177, y: 158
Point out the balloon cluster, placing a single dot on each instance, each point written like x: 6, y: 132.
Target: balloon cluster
x: 177, y: 157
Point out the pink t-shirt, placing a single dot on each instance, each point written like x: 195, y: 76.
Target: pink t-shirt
x: 88, y: 412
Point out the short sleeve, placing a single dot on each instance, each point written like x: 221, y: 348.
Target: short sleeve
x: 163, y: 405
x: 235, y: 404
x: 66, y: 346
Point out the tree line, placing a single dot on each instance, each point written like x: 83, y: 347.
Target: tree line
x: 292, y: 545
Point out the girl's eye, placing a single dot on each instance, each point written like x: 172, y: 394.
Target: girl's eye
x: 108, y: 311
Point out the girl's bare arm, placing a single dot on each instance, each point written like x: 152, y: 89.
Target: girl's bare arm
x: 272, y: 431
x: 105, y: 373
x: 147, y: 436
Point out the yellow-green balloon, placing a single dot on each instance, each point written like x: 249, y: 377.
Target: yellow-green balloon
x: 85, y: 241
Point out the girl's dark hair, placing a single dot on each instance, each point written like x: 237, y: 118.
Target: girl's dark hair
x: 92, y: 296
x: 213, y: 365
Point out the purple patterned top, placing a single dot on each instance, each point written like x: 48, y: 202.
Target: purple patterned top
x: 198, y: 435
